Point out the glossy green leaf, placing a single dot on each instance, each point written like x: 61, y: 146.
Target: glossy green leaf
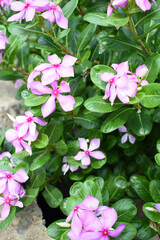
x: 116, y: 119
x: 72, y: 202
x: 30, y: 196
x: 35, y: 100
x: 69, y: 8
x: 89, y: 187
x: 54, y: 130
x: 61, y: 148
x: 55, y: 231
x: 41, y: 141
x: 151, y: 212
x: 146, y: 232
x: 39, y: 158
x: 4, y: 224
x: 128, y: 233
x: 152, y: 95
x: 141, y: 186
x: 52, y: 195
x: 154, y: 188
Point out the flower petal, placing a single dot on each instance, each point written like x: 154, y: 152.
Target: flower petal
x: 48, y: 107
x: 79, y: 155
x: 64, y: 87
x: 122, y: 129
x: 39, y: 89
x: 66, y: 102
x: 89, y: 203
x: 110, y: 217
x: 5, y: 212
x: 61, y: 21
x: 54, y: 59
x: 68, y: 61
x: 17, y: 6
x: 30, y: 12
x: 117, y: 231
x: 97, y: 154
x: 20, y: 176
x: 106, y: 76
x: 83, y: 143
x: 124, y: 138
x: 86, y: 160
x: 40, y: 121
x: 94, y: 144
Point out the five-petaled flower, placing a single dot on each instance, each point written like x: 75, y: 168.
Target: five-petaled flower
x: 84, y: 156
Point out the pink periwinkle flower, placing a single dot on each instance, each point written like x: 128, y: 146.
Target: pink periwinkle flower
x: 7, y: 154
x: 55, y: 69
x: 55, y: 13
x: 144, y: 4
x: 3, y: 40
x: 27, y: 9
x: 126, y: 136
x: 84, y: 156
x: 66, y: 102
x: 8, y: 200
x: 66, y: 166
x: 157, y: 205
x: 27, y: 122
x: 116, y: 4
x: 9, y: 182
x: 12, y: 135
x: 101, y: 228
x: 120, y: 85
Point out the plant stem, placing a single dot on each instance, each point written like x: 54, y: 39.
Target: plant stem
x: 132, y: 28
x: 16, y: 68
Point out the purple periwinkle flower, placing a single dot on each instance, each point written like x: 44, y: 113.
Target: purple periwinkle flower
x: 55, y: 69
x: 27, y: 124
x: 144, y: 4
x: 3, y: 40
x: 121, y: 84
x: 10, y: 182
x: 66, y: 166
x: 116, y: 4
x: 55, y: 13
x: 126, y: 136
x: 27, y: 9
x: 84, y: 156
x: 8, y: 200
x: 66, y: 102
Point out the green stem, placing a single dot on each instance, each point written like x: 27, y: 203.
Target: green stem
x: 15, y: 68
x: 132, y: 28
x: 57, y: 3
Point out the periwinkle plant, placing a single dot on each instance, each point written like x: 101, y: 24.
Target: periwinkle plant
x: 88, y: 74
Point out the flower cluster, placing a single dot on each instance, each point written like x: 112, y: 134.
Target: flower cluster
x: 143, y: 4
x: 125, y: 83
x: 92, y: 222
x: 11, y: 190
x: 30, y: 7
x: 51, y: 72
x: 126, y: 136
x: 84, y: 156
x: 24, y: 130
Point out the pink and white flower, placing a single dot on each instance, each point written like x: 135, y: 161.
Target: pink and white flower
x: 66, y: 166
x: 27, y: 9
x: 55, y: 69
x: 126, y: 136
x: 84, y: 156
x: 121, y: 85
x: 55, y: 13
x: 66, y: 102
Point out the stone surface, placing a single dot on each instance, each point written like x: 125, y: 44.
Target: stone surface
x: 28, y: 223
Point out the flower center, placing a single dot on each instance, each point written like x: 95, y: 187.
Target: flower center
x: 56, y: 65
x: 87, y: 152
x: 8, y: 200
x: 55, y: 92
x: 29, y: 119
x: 76, y: 209
x: 27, y: 5
x: 53, y: 8
x: 105, y: 232
x: 20, y: 138
x: 8, y: 176
x: 111, y: 81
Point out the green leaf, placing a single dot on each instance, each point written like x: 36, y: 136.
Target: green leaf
x: 126, y: 211
x: 156, y: 115
x: 89, y: 187
x: 4, y: 224
x: 101, y: 19
x: 152, y: 212
x: 35, y: 100
x: 37, y: 178
x: 54, y: 163
x: 145, y: 231
x: 97, y: 104
x: 64, y: 235
x: 157, y: 158
x: 73, y: 148
x: 128, y: 233
x: 39, y: 158
x: 85, y: 37
x: 22, y: 165
x: 78, y: 102
x: 20, y: 155
x: 154, y: 188
x: 140, y: 123
x: 46, y: 43
x: 61, y: 148
x: 69, y: 8
x: 41, y: 141
x: 54, y: 130
x: 10, y: 75
x: 30, y: 196
x: 158, y: 145
x: 52, y: 195
x: 62, y: 34
x: 141, y: 186
x: 76, y: 189
x: 87, y: 120
x: 96, y: 71
x: 116, y: 119
x: 98, y: 163
x: 152, y: 95
x: 24, y: 29
x: 73, y: 162
x: 116, y: 188
x: 154, y: 26
x: 55, y: 231
x: 148, y: 15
